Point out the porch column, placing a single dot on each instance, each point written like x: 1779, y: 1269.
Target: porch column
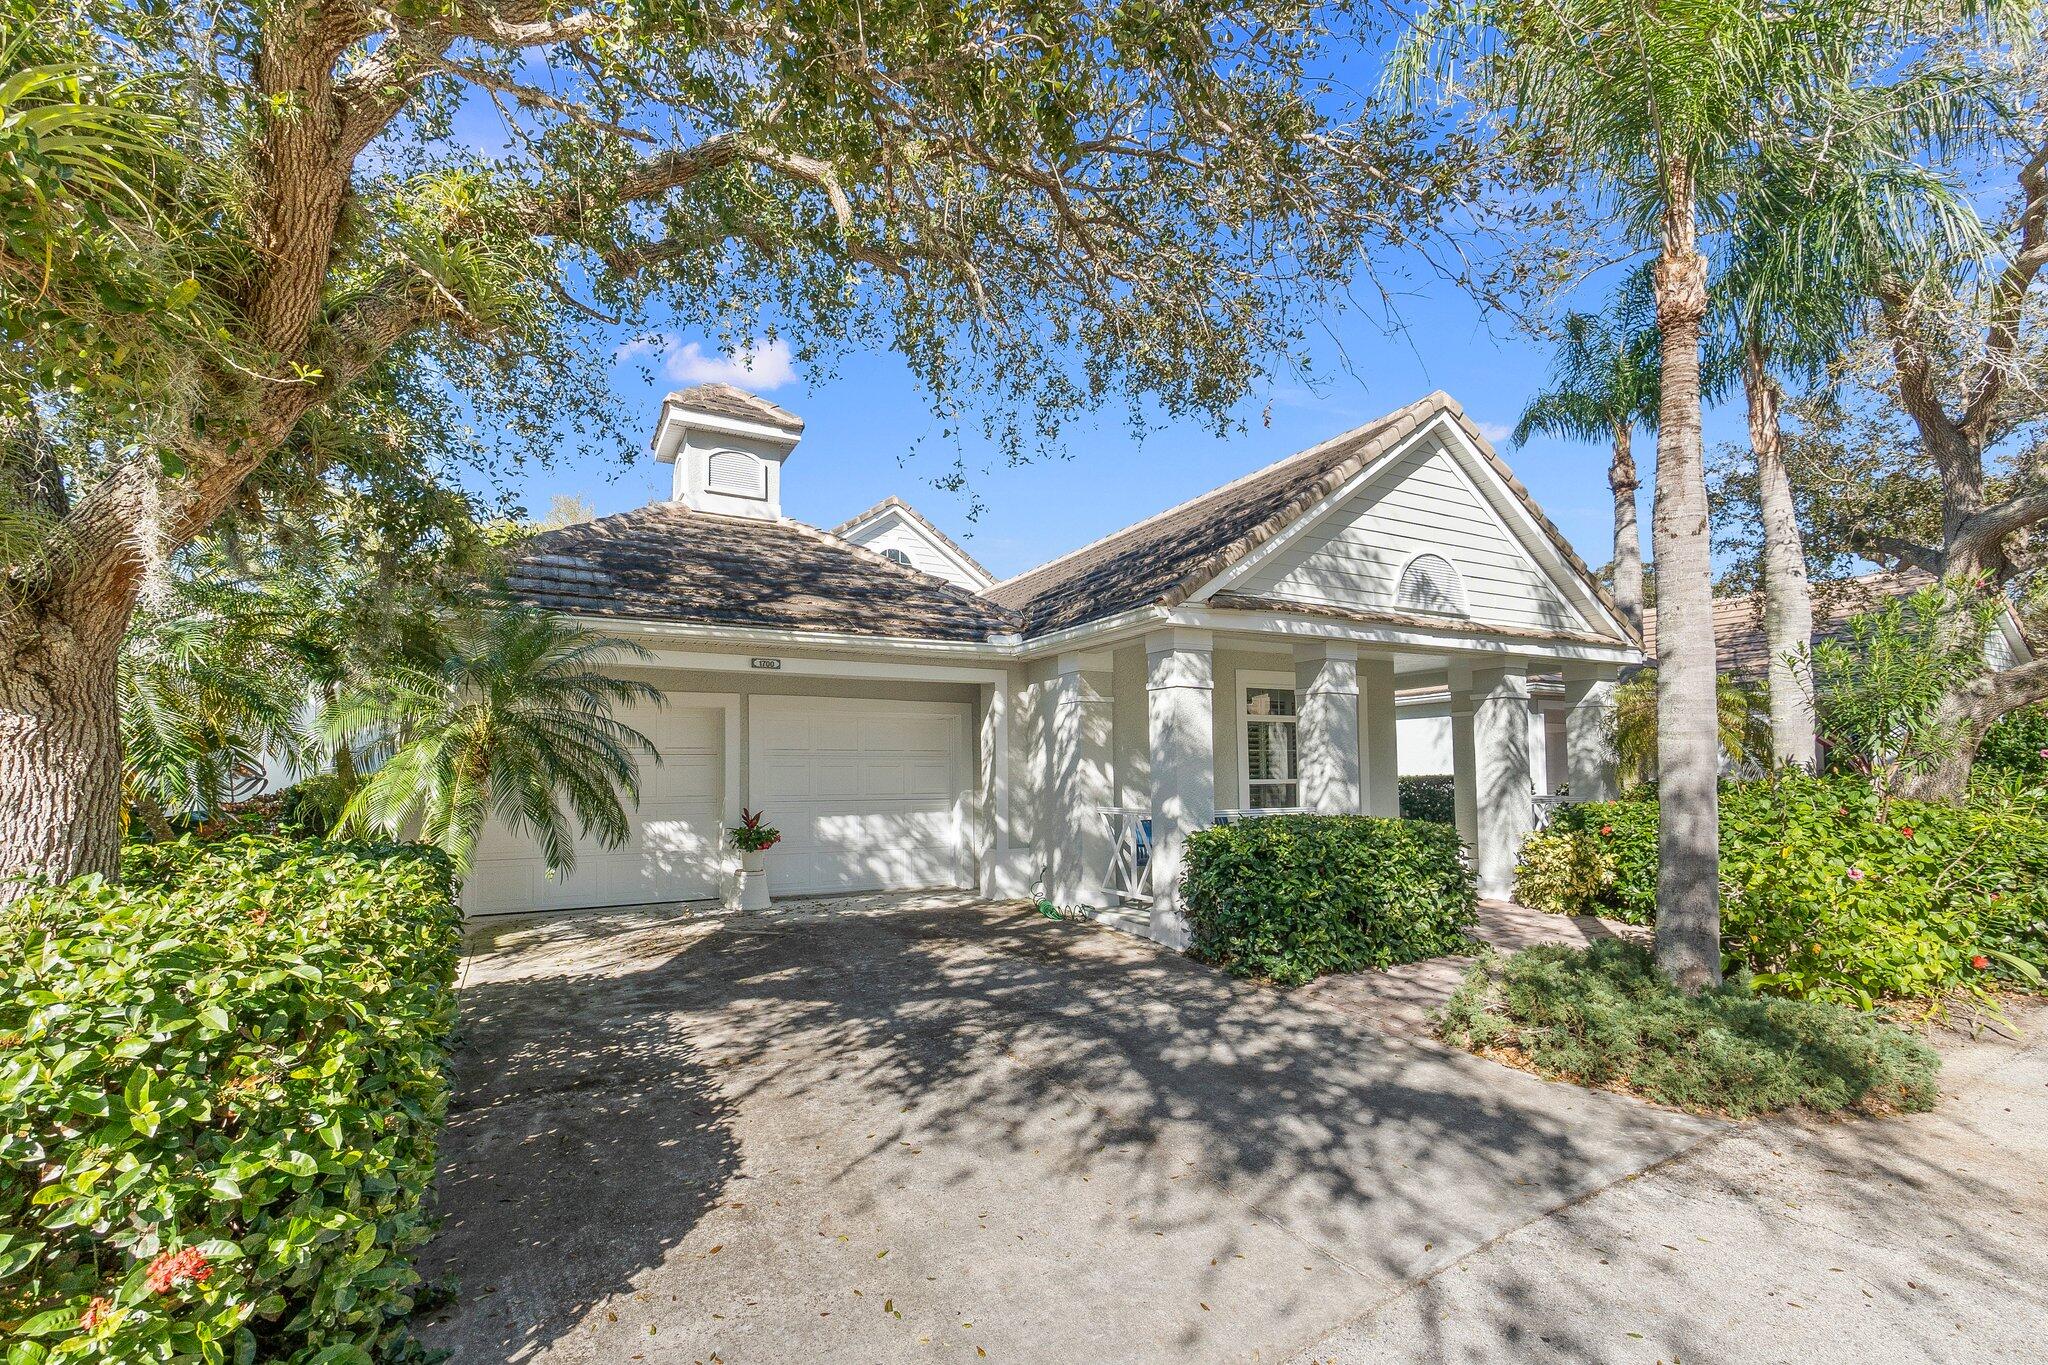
x: 1379, y: 738
x: 1081, y: 785
x: 1589, y: 731
x: 1504, y: 810
x: 1326, y: 700
x: 1179, y: 708
x: 1464, y: 785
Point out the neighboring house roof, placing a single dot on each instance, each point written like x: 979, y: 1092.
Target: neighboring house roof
x: 724, y: 400
x: 1740, y: 646
x: 892, y: 503
x: 664, y: 562
x: 1167, y: 557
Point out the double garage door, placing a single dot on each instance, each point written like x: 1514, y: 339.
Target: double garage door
x: 869, y: 795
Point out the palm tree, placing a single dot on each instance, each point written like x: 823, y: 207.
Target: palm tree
x: 1741, y: 716
x: 513, y: 718
x: 1603, y: 385
x: 1657, y: 108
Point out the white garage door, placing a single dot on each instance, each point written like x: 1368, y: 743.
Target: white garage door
x: 670, y: 852
x: 869, y: 795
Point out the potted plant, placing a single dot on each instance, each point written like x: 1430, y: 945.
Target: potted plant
x: 753, y: 839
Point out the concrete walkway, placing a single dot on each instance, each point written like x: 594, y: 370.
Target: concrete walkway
x: 1911, y: 1239
x: 1401, y: 999
x: 923, y: 1129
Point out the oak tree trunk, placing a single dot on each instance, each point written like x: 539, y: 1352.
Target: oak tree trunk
x: 1788, y: 594
x: 1628, y: 536
x: 60, y: 747
x: 1688, y: 739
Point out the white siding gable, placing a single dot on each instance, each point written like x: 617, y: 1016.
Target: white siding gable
x: 891, y: 530
x: 1424, y: 503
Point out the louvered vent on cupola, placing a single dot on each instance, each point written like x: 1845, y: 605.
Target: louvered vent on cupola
x: 727, y: 446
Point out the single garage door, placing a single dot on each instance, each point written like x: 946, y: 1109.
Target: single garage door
x: 869, y: 795
x: 671, y: 850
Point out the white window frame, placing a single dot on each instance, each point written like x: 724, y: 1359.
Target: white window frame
x: 757, y: 489
x: 1242, y: 682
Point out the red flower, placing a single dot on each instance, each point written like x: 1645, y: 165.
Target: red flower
x: 1607, y: 829
x: 1980, y: 962
x: 1906, y: 830
x: 95, y: 1313
x: 170, y: 1269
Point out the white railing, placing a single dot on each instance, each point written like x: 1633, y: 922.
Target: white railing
x: 1546, y: 806
x: 1232, y: 817
x: 1130, y: 856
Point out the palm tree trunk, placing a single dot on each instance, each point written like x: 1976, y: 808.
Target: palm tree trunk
x: 1628, y: 536
x: 1688, y: 749
x: 1788, y: 595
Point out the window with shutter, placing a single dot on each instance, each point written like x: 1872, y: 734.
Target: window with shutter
x: 737, y: 474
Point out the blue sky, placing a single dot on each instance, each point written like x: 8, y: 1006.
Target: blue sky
x: 870, y: 434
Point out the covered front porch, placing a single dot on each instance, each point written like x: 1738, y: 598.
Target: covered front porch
x: 1183, y: 727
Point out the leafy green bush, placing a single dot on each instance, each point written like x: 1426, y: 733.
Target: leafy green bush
x: 1566, y: 873
x: 2017, y: 743
x: 1604, y: 1016
x: 1291, y: 897
x: 1432, y: 796
x: 220, y: 1088
x: 1827, y: 895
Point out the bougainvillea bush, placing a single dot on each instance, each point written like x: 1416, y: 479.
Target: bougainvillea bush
x: 221, y: 1084
x: 1287, y: 898
x: 1829, y: 894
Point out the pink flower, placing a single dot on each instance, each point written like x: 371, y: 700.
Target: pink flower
x: 95, y: 1313
x: 173, y: 1268
x: 1855, y: 874
x: 1607, y: 829
x: 2044, y: 753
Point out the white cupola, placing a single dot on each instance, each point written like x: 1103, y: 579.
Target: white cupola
x: 727, y: 446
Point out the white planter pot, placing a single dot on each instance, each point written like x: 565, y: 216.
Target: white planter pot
x: 754, y: 880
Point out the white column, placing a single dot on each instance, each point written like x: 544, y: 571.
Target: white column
x: 1081, y: 780
x: 1539, y: 772
x: 1589, y: 731
x: 1500, y: 747
x: 1379, y: 738
x: 1463, y: 765
x: 1180, y: 686
x: 1326, y: 702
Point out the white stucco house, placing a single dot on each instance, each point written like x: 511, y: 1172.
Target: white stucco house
x: 908, y: 722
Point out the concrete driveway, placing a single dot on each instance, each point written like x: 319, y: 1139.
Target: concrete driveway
x: 929, y: 1128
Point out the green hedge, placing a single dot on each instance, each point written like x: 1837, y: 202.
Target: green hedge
x: 1826, y: 896
x: 1290, y: 897
x: 221, y: 1084
x: 1432, y: 796
x: 2017, y: 743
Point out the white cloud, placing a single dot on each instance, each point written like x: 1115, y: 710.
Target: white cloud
x: 759, y: 368
x: 1496, y: 432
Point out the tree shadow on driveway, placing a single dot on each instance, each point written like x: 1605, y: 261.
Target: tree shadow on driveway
x: 1043, y: 1139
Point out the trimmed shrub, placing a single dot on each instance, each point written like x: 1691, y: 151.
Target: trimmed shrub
x: 1827, y: 894
x: 1433, y: 796
x: 1288, y: 898
x: 1604, y: 1016
x: 1567, y: 873
x: 221, y: 1084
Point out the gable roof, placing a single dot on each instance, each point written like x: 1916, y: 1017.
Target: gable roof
x: 1164, y: 559
x: 725, y: 400
x: 892, y: 503
x: 664, y: 562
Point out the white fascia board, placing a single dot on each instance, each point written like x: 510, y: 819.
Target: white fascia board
x: 1415, y: 639
x: 678, y: 419
x: 904, y: 656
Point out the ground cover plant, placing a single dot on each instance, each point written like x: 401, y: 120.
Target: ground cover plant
x: 1603, y: 1016
x: 1288, y: 898
x: 221, y: 1083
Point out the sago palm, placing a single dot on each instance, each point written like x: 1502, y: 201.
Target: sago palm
x: 1603, y: 385
x: 514, y: 719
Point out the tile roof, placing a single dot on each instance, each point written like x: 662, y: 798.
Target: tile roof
x: 1164, y: 558
x: 724, y: 400
x: 665, y: 562
x: 896, y: 504
x: 1740, y: 647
